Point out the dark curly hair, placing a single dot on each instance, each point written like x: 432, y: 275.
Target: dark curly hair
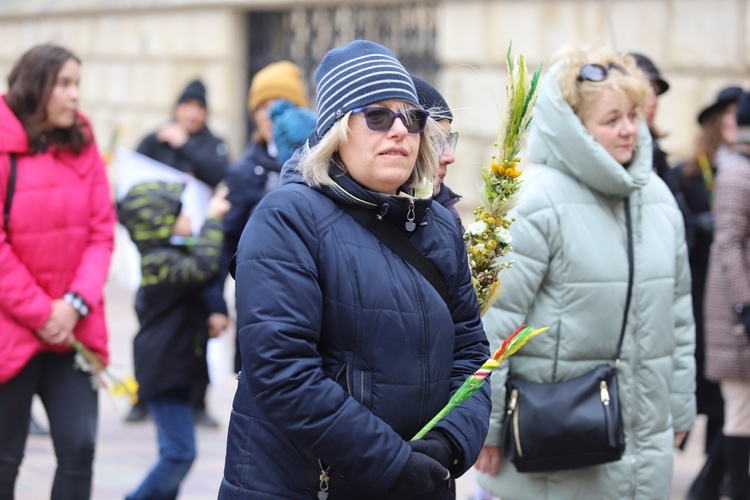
x: 30, y: 84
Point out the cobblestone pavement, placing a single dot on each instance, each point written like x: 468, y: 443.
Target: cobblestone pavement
x: 125, y: 451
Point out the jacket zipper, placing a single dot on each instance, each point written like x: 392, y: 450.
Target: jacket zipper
x: 513, y: 411
x: 347, y: 196
x: 325, y: 470
x: 324, y: 478
x: 604, y: 394
x: 423, y: 414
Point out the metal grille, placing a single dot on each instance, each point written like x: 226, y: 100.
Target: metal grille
x: 304, y: 35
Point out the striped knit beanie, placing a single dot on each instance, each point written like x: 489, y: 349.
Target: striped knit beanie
x: 359, y: 73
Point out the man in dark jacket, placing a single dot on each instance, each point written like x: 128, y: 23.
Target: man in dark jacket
x: 169, y: 349
x: 186, y: 144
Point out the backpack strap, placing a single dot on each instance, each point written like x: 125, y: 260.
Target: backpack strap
x: 9, y: 195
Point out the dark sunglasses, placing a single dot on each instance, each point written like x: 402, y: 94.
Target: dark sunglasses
x: 597, y: 72
x: 381, y: 119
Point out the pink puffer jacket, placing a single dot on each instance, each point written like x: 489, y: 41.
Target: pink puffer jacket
x: 61, y: 236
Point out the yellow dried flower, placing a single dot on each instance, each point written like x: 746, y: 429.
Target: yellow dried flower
x: 487, y: 238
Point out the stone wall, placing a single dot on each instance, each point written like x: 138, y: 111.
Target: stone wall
x: 136, y: 63
x: 138, y: 55
x: 699, y: 46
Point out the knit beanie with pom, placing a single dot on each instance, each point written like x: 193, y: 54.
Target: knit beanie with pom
x: 292, y: 126
x: 279, y: 80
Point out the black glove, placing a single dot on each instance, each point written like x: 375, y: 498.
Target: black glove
x: 420, y: 475
x: 436, y: 444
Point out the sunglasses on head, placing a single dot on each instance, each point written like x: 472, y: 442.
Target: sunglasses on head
x: 597, y: 72
x: 381, y: 119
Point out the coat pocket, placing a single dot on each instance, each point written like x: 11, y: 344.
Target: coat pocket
x: 358, y: 383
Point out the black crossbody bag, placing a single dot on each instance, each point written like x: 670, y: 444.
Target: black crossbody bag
x: 571, y: 424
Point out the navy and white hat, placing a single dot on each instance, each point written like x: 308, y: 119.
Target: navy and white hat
x: 432, y: 100
x: 359, y: 73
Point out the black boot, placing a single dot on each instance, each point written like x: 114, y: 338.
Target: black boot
x: 737, y: 456
x: 706, y: 485
x: 138, y: 413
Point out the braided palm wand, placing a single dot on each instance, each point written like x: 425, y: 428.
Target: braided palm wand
x: 488, y: 238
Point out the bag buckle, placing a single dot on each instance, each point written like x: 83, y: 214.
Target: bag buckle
x: 513, y: 401
x: 604, y: 393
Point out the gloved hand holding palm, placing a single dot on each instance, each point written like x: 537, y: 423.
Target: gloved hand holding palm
x: 420, y: 475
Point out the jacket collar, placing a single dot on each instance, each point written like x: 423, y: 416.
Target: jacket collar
x: 447, y: 197
x: 264, y: 159
x: 404, y: 210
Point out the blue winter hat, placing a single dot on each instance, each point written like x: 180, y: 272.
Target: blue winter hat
x: 359, y: 73
x: 432, y: 100
x: 291, y: 127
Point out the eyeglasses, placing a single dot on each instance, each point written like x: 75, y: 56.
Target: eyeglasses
x: 597, y: 72
x: 445, y: 140
x: 452, y: 140
x: 381, y: 119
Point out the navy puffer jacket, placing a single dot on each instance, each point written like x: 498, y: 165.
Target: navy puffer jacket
x: 348, y: 351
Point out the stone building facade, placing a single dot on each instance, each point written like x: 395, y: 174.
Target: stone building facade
x: 138, y: 54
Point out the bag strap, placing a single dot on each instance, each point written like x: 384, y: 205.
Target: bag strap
x: 629, y: 230
x: 399, y: 243
x: 9, y: 195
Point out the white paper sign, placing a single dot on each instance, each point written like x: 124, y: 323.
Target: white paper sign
x: 134, y: 168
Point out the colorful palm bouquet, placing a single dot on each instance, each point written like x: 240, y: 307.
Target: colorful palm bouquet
x: 488, y: 237
x: 88, y: 361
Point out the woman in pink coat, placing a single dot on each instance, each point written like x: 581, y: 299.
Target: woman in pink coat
x: 55, y: 247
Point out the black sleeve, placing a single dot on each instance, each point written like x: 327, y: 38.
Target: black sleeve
x: 206, y: 158
x: 148, y: 145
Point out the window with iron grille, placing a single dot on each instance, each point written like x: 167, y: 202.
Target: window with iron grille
x: 303, y: 35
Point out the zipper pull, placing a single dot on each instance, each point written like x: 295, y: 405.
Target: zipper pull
x: 513, y: 401
x: 324, y: 478
x: 410, y: 225
x: 604, y: 393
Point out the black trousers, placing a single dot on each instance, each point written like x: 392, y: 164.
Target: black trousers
x: 72, y: 409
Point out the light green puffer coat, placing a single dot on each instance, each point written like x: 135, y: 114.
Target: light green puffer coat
x: 571, y: 274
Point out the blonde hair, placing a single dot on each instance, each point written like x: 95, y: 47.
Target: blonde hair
x: 580, y: 95
x: 316, y: 162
